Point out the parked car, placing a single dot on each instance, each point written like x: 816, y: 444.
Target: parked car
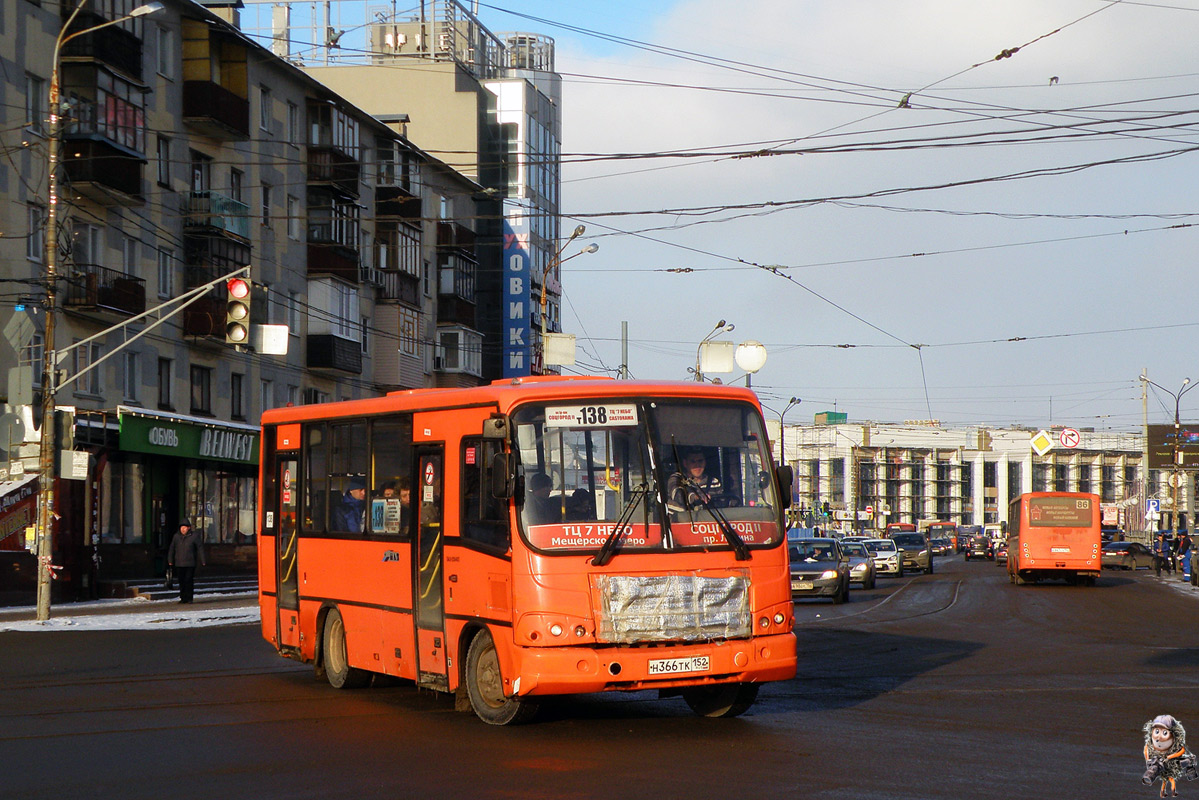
x: 1001, y: 554
x: 981, y: 546
x: 1126, y: 555
x: 913, y: 550
x: 861, y: 564
x: 819, y: 568
x: 887, y: 560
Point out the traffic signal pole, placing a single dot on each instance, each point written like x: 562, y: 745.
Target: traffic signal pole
x: 48, y: 449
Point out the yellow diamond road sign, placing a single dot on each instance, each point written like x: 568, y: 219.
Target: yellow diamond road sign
x: 1042, y: 443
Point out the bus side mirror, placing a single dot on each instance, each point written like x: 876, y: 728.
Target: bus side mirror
x: 502, y: 481
x: 495, y: 427
x: 785, y: 476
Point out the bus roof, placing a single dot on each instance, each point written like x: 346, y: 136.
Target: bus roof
x: 507, y: 393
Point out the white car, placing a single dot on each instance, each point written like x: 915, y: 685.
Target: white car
x: 887, y: 558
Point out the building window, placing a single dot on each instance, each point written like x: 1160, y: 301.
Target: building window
x: 237, y: 179
x: 293, y: 313
x: 346, y: 312
x: 35, y: 242
x: 129, y: 376
x: 201, y: 390
x: 459, y: 350
x: 295, y: 224
x: 166, y: 273
x: 163, y: 151
x: 236, y: 394
x: 85, y: 244
x: 32, y: 356
x: 129, y: 255
x: 166, y: 53
x: 201, y: 172
x: 165, y: 368
x: 428, y: 279
x: 366, y: 326
x: 35, y: 103
x: 266, y: 394
x: 293, y: 124
x: 264, y: 108
x: 266, y: 205
x: 293, y: 395
x: 84, y: 357
x: 314, y: 396
x: 409, y: 332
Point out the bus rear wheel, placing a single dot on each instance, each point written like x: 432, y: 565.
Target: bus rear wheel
x: 485, y: 686
x: 335, y: 656
x: 725, y: 700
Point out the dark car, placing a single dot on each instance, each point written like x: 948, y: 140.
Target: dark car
x: 1126, y: 555
x: 942, y: 546
x: 913, y: 549
x: 980, y: 546
x: 964, y: 534
x: 819, y: 569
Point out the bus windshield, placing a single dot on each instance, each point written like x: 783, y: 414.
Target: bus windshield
x: 661, y: 474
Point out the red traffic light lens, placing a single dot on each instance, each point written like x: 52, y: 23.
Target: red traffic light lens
x: 239, y: 288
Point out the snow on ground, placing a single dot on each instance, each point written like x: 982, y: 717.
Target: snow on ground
x: 160, y: 616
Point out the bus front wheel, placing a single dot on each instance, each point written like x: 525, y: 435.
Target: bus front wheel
x: 726, y: 700
x: 335, y: 656
x: 485, y: 686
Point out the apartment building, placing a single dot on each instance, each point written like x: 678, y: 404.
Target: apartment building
x: 189, y: 151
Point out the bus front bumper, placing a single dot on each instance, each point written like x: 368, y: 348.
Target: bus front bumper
x: 579, y: 670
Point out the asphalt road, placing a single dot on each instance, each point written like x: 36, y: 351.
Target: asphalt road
x: 956, y: 684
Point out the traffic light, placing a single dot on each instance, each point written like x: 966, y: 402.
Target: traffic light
x: 237, y: 311
x: 824, y: 509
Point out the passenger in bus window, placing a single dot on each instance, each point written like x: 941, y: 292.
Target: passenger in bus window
x: 581, y: 506
x: 539, y: 507
x: 351, y: 510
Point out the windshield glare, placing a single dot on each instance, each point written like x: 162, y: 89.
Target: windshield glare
x: 675, y: 470
x: 908, y: 539
x: 880, y: 546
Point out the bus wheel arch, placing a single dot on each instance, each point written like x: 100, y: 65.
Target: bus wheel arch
x: 483, y: 676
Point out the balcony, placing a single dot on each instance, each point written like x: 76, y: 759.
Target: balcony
x: 396, y: 285
x: 331, y: 352
x: 112, y: 45
x: 329, y: 166
x: 455, y: 235
x: 104, y: 293
x: 213, y: 211
x: 215, y: 111
x: 455, y: 310
x: 333, y: 259
x: 104, y: 173
x: 392, y: 201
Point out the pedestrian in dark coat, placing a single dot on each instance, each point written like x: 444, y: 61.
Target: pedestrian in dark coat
x: 183, y: 556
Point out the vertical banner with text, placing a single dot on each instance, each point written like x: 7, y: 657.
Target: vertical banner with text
x: 518, y: 294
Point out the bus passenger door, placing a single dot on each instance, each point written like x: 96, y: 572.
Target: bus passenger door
x: 287, y: 544
x: 428, y: 586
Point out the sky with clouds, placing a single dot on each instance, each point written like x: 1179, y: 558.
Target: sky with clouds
x: 977, y: 212
x: 1012, y: 247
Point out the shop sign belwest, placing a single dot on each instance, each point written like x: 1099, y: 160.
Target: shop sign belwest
x: 183, y: 438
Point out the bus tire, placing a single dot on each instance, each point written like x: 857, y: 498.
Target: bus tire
x: 1018, y: 580
x: 485, y: 686
x: 335, y: 656
x: 725, y: 700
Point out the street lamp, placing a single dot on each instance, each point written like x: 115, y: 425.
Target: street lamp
x: 1174, y: 480
x: 794, y: 401
x: 49, y: 357
x: 719, y: 329
x: 751, y: 357
x: 556, y: 263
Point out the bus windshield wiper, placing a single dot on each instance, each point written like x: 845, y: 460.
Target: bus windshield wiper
x: 608, y: 548
x: 734, y: 539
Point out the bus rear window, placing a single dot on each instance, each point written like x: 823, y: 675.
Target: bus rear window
x: 1060, y: 512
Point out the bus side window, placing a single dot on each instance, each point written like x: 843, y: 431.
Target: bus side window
x: 390, y: 510
x: 347, y: 474
x: 484, y: 517
x: 316, y: 471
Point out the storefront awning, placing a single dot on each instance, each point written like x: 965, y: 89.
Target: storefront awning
x: 181, y: 436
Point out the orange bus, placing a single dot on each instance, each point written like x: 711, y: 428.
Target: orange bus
x: 1054, y: 535
x: 531, y: 537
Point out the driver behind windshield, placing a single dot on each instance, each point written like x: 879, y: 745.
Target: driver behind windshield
x: 692, y: 486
